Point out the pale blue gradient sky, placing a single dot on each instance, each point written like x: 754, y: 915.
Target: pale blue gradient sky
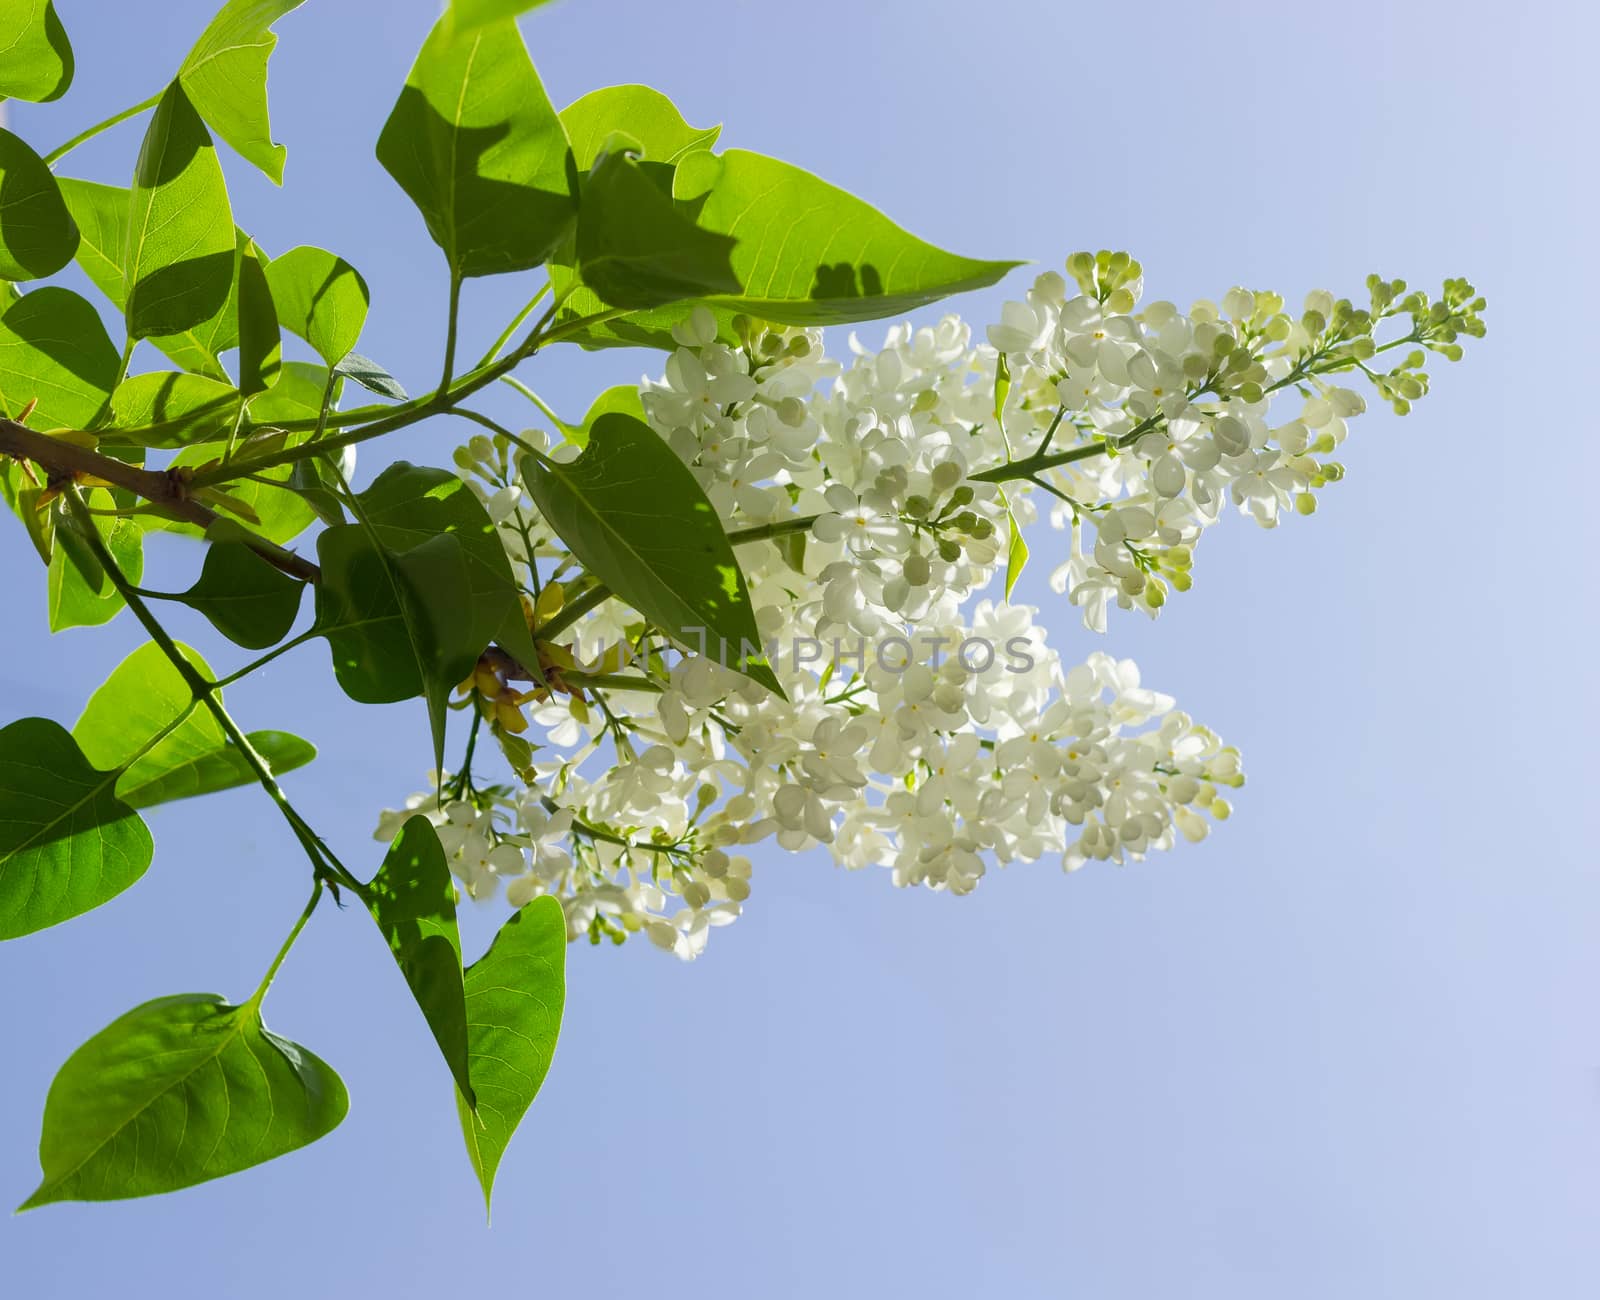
x: 1348, y: 1047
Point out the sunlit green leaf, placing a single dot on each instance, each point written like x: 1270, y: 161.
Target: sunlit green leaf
x: 320, y: 297
x: 145, y: 695
x: 515, y: 996
x: 413, y: 900
x: 172, y: 408
x: 477, y: 146
x: 645, y: 114
x: 67, y: 843
x: 54, y: 348
x: 101, y: 212
x: 225, y: 76
x: 812, y: 254
x: 245, y: 598
x: 37, y: 233
x: 464, y: 15
x: 635, y: 516
x: 219, y: 769
x: 35, y: 56
x: 181, y: 251
x: 176, y: 1092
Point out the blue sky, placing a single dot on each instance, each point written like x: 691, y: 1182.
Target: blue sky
x: 1346, y: 1047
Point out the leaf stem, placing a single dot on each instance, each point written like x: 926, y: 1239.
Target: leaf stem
x: 323, y: 861
x: 61, y: 151
x: 451, y: 329
x: 516, y: 324
x: 283, y: 952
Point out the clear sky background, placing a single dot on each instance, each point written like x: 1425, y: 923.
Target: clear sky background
x: 1347, y: 1047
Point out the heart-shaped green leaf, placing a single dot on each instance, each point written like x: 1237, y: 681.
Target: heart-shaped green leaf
x: 245, y: 598
x: 54, y: 349
x: 37, y: 234
x: 475, y: 143
x: 634, y: 514
x: 320, y: 297
x: 67, y: 843
x: 179, y: 1091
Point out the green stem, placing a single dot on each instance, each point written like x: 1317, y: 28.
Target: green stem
x: 450, y: 331
x: 61, y: 151
x: 308, y: 635
x: 516, y: 324
x: 205, y: 691
x: 767, y: 532
x: 283, y: 952
x: 536, y: 400
x: 374, y: 422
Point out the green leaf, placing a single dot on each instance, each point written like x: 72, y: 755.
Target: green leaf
x: 37, y: 233
x: 172, y: 408
x: 811, y: 254
x: 219, y: 769
x: 464, y: 15
x: 413, y: 901
x: 633, y: 513
x: 1016, y: 548
x: 182, y: 249
x: 646, y: 115
x: 370, y: 375
x: 245, y: 598
x: 225, y: 76
x: 177, y: 1092
x: 143, y: 696
x: 394, y: 623
x: 260, y: 344
x: 636, y: 249
x: 71, y: 601
x: 515, y: 995
x: 478, y: 148
x: 53, y: 347
x: 101, y: 212
x: 410, y: 598
x: 320, y: 297
x: 67, y: 843
x: 622, y: 399
x: 35, y: 56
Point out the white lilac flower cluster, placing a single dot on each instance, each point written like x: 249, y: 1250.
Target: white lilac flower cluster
x: 928, y: 729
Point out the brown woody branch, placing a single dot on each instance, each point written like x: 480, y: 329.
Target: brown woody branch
x: 167, y: 491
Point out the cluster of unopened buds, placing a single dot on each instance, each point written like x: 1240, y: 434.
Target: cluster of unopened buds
x: 928, y: 727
